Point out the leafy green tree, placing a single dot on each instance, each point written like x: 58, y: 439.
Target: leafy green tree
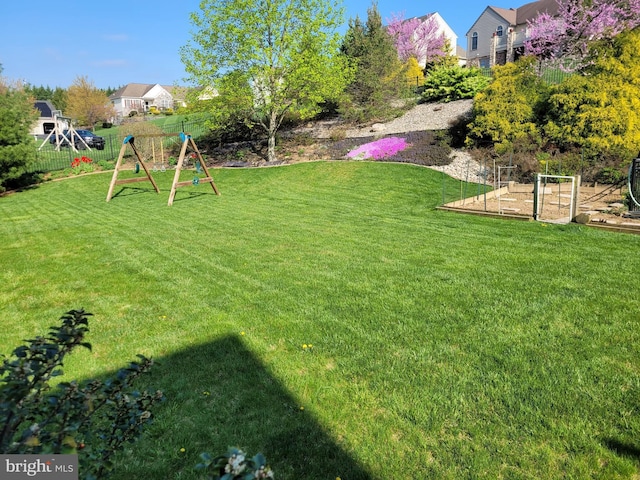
x: 87, y: 104
x: 266, y: 59
x: 509, y: 110
x: 600, y: 111
x: 17, y: 152
x: 380, y: 76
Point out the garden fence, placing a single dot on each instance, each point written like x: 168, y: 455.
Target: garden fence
x: 48, y: 159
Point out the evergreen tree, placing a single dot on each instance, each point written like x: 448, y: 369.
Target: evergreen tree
x: 17, y: 152
x: 379, y: 75
x: 57, y: 96
x: 59, y: 99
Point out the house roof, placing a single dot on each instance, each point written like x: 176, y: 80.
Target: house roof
x: 509, y: 14
x: 46, y: 108
x: 424, y: 17
x: 531, y: 10
x: 136, y: 90
x: 527, y: 12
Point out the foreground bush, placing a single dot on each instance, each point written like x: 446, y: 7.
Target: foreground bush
x: 235, y: 465
x: 93, y: 419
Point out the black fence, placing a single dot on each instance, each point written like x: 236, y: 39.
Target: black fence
x: 549, y: 75
x: 48, y: 159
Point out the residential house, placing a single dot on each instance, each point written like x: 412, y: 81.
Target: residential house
x: 143, y: 97
x: 49, y: 116
x: 498, y: 35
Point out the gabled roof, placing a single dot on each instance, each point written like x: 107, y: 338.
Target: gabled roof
x: 525, y: 13
x: 531, y: 10
x: 424, y: 17
x: 135, y: 90
x: 46, y: 108
x: 509, y: 14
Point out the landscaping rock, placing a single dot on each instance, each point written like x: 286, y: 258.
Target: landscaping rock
x: 583, y: 218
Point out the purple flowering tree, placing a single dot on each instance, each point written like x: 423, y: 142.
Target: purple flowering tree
x: 416, y: 38
x: 566, y: 38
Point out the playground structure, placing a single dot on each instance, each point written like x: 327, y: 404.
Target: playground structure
x: 59, y: 122
x: 188, y: 145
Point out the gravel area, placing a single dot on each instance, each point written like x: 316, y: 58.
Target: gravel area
x: 462, y: 167
x: 425, y: 116
x: 432, y: 116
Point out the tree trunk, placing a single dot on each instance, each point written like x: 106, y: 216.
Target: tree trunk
x: 271, y: 145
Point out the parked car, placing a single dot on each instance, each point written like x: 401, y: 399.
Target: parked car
x: 90, y: 138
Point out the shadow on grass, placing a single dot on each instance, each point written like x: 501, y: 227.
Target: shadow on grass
x: 220, y: 395
x: 623, y: 449
x: 180, y: 195
x: 129, y: 191
x: 186, y: 195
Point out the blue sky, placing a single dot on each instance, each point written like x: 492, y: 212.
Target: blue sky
x: 117, y: 42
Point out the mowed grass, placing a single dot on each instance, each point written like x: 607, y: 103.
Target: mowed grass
x: 443, y: 345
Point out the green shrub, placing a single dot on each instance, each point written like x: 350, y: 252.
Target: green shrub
x: 106, y: 165
x: 600, y: 110
x: 449, y: 83
x: 508, y: 111
x: 93, y: 419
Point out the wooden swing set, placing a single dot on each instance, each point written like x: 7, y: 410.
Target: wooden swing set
x: 187, y: 143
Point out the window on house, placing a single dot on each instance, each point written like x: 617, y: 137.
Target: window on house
x: 499, y: 31
x: 474, y: 41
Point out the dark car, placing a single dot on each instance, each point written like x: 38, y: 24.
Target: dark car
x: 90, y: 138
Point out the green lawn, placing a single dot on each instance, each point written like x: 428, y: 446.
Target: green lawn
x: 443, y: 345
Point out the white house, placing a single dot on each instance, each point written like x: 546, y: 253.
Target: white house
x: 498, y: 35
x: 142, y: 97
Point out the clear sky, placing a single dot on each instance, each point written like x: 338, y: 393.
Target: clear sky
x: 115, y: 42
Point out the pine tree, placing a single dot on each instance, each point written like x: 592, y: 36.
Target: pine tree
x: 17, y: 154
x: 379, y: 75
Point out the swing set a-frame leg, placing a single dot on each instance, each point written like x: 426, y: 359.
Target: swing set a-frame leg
x: 186, y: 142
x: 114, y: 179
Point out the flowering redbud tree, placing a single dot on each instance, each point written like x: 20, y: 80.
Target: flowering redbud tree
x: 416, y: 38
x: 565, y: 39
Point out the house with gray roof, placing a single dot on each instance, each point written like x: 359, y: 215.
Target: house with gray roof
x: 143, y: 97
x: 498, y: 35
